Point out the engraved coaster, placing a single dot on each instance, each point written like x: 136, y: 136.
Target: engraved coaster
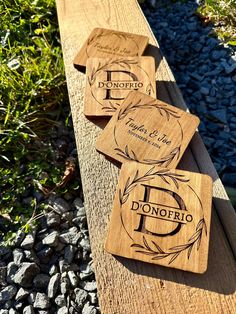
x: 109, y: 80
x: 106, y: 43
x: 161, y: 216
x: 147, y: 130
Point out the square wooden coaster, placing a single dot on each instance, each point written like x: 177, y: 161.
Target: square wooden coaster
x: 109, y: 80
x: 147, y: 130
x: 107, y: 42
x: 161, y: 216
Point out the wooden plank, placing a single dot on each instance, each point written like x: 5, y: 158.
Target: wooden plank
x: 127, y: 286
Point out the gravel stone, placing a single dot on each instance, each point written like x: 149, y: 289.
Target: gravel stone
x: 63, y: 266
x: 220, y: 114
x: 205, y: 90
x: 8, y: 304
x: 18, y: 256
x: 69, y: 253
x: 85, y: 244
x: 31, y: 297
x: 3, y: 250
x: 21, y: 294
x: 53, y: 285
x: 88, y: 309
x: 39, y: 246
x: 42, y: 234
x: 93, y: 298
x: 230, y: 177
x: 53, y: 270
x: 3, y: 275
x: 28, y: 310
x: 45, y: 255
x: 73, y: 278
x: 51, y: 239
x: 18, y: 306
x: 63, y: 310
x: 89, y: 285
x: 25, y: 274
x: 68, y: 216
x: 53, y: 219
x: 31, y: 256
x: 28, y: 242
x: 61, y: 206
x: 85, y: 271
x: 5, y: 253
x: 60, y: 300
x: 78, y: 204
x: 71, y: 236
x: 65, y: 285
x: 2, y: 311
x: 11, y: 271
x: 41, y: 281
x: 12, y: 311
x: 80, y: 296
x: 41, y: 301
x: 7, y: 293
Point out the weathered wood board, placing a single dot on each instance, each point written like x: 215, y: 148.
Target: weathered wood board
x: 147, y: 130
x: 127, y: 286
x: 109, y: 81
x: 161, y: 216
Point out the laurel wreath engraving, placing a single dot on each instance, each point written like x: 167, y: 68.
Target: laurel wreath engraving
x: 166, y: 175
x: 154, y: 250
x: 149, y: 89
x: 112, y: 107
x: 119, y: 35
x: 164, y: 161
x: 157, y: 253
x: 163, y: 110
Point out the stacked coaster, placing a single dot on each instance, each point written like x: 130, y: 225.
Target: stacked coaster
x: 160, y: 215
x: 109, y: 80
x: 106, y: 43
x: 147, y: 130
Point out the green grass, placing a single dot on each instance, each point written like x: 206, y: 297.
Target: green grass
x: 32, y: 95
x: 223, y: 14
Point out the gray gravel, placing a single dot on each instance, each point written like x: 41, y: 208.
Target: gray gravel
x: 205, y: 71
x: 50, y: 269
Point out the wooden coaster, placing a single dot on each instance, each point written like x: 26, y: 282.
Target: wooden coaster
x: 147, y: 130
x: 161, y: 216
x: 106, y: 43
x: 109, y: 80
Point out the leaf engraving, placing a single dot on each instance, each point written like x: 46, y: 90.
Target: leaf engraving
x: 158, y: 253
x: 166, y: 175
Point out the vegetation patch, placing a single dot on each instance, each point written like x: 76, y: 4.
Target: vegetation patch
x: 223, y: 15
x: 33, y: 98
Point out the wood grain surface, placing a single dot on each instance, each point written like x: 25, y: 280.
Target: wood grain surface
x: 126, y: 286
x: 161, y: 216
x: 147, y: 130
x: 107, y: 42
x: 109, y: 81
